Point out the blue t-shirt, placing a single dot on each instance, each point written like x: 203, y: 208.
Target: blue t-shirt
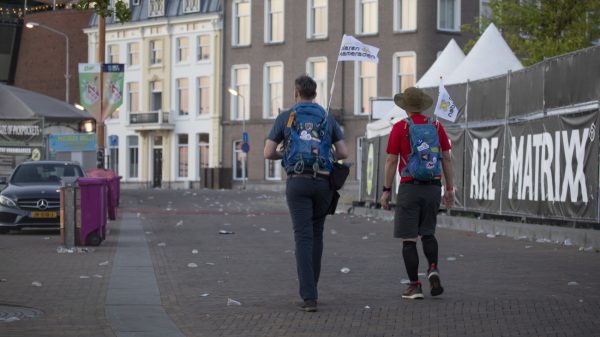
x: 277, y: 133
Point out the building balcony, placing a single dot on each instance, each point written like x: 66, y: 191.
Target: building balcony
x: 150, y: 121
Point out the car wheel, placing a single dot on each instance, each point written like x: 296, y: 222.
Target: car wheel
x: 93, y: 239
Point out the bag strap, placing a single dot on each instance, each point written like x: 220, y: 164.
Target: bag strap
x: 291, y: 118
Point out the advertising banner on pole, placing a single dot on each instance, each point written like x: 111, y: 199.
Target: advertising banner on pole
x: 551, y: 167
x: 89, y: 87
x: 456, y: 135
x: 483, y: 168
x: 112, y: 93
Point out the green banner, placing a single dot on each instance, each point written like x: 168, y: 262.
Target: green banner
x: 89, y: 87
x: 112, y: 94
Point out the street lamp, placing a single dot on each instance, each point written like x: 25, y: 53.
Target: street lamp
x: 31, y: 25
x: 235, y: 93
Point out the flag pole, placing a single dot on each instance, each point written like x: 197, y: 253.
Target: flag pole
x: 337, y: 62
x: 332, y: 85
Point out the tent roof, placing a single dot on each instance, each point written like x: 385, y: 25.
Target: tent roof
x: 383, y: 126
x: 491, y: 56
x: 17, y: 103
x: 443, y: 66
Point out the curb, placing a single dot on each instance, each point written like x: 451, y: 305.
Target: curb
x: 586, y: 239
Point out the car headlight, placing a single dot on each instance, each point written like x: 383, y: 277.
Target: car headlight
x: 4, y: 201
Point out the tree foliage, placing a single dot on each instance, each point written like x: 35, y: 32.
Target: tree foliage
x: 104, y: 9
x: 537, y: 29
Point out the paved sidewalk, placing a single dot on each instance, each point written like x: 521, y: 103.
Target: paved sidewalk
x: 495, y: 286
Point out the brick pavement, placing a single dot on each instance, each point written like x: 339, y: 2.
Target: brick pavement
x: 494, y: 286
x: 71, y: 305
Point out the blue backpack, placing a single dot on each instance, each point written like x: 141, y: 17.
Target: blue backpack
x: 308, y: 140
x: 424, y: 160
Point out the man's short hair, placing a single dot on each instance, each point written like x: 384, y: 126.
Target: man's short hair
x: 306, y: 86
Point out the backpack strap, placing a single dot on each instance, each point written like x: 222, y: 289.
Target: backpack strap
x: 291, y: 118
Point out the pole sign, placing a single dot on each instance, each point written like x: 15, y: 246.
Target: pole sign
x: 89, y: 87
x: 245, y: 147
x: 112, y: 85
x: 245, y: 137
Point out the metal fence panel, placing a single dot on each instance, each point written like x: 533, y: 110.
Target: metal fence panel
x: 572, y: 78
x: 487, y: 99
x: 526, y: 91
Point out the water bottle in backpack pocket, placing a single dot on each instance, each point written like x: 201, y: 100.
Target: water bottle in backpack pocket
x: 424, y: 160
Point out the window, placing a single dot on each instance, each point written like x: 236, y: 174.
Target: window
x: 156, y: 95
x: 449, y: 15
x: 366, y: 16
x: 240, y: 169
x: 132, y: 153
x: 405, y: 71
x: 203, y: 150
x: 113, y: 153
x: 113, y: 53
x: 366, y: 86
x: 182, y: 97
x: 203, y: 49
x: 317, y: 19
x: 133, y: 54
x: 240, y: 80
x: 274, y: 29
x: 405, y: 15
x: 183, y: 49
x: 133, y: 97
x: 203, y: 95
x: 241, y: 23
x: 190, y: 6
x: 182, y: 156
x: 155, y: 52
x: 272, y: 169
x: 273, y: 91
x: 156, y: 8
x: 485, y: 11
x: 317, y: 69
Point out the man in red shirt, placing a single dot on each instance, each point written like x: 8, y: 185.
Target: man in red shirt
x: 418, y: 200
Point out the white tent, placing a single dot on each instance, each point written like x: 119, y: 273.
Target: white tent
x: 443, y: 66
x: 491, y: 56
x: 383, y: 126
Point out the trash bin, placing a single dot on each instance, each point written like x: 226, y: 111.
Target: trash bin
x: 94, y: 203
x: 114, y: 189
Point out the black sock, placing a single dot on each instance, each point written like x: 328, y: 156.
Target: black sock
x: 411, y: 260
x: 430, y: 248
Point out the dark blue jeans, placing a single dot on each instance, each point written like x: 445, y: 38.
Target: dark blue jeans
x: 308, y: 200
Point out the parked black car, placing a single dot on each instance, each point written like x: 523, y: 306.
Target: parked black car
x: 31, y: 195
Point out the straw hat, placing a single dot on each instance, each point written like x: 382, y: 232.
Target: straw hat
x: 413, y: 100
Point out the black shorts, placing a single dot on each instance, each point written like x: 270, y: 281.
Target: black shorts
x: 416, y: 210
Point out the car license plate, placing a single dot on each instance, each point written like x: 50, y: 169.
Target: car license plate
x: 39, y: 215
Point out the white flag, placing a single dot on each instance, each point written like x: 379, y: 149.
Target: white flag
x: 354, y: 50
x: 445, y: 107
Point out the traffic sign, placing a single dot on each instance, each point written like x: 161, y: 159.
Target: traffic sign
x: 246, y: 147
x: 245, y: 137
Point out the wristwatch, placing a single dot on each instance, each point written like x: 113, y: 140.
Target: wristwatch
x: 387, y: 189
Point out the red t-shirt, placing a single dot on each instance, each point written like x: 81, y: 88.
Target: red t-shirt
x: 399, y: 143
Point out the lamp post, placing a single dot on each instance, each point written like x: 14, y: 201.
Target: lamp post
x: 31, y: 25
x: 235, y: 93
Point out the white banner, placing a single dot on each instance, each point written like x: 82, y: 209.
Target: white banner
x: 354, y: 50
x: 445, y: 107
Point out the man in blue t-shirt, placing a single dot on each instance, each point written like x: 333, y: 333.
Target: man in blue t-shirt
x: 308, y: 193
